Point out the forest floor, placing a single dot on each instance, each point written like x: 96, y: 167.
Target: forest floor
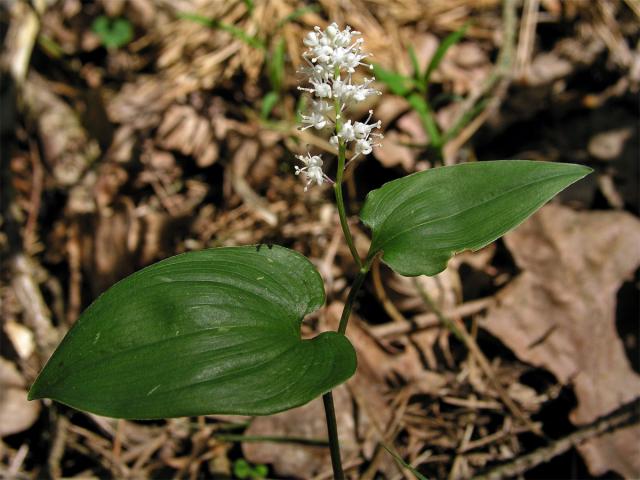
x: 133, y: 130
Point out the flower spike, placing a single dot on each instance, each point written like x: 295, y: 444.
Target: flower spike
x: 332, y: 57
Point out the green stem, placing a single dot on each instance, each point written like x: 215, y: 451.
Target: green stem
x: 332, y: 430
x: 447, y: 322
x: 355, y: 288
x: 340, y: 203
x: 327, y: 398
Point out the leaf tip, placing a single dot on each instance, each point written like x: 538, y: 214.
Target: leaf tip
x: 586, y: 170
x: 42, y: 385
x: 34, y: 394
x: 581, y: 170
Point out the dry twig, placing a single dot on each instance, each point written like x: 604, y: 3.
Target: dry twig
x: 626, y: 415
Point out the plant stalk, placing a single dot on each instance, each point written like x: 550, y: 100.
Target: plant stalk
x: 327, y: 398
x: 355, y: 288
x: 340, y: 204
x: 334, y: 443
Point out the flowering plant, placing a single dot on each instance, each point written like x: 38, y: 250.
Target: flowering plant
x: 218, y: 331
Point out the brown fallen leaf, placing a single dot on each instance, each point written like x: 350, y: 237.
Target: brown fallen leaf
x: 395, y: 152
x: 16, y: 412
x: 308, y: 421
x: 68, y: 150
x: 444, y: 289
x: 559, y: 314
x: 184, y: 130
x: 21, y: 337
x: 411, y: 124
x: 425, y: 45
x: 609, y: 145
x: 390, y: 108
x: 466, y: 65
x: 141, y: 104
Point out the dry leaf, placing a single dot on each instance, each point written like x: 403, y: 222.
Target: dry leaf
x: 444, y: 289
x: 609, y: 145
x: 390, y: 107
x: 547, y: 68
x: 411, y: 124
x: 140, y: 104
x: 466, y: 65
x: 301, y: 461
x: 559, y: 314
x: 21, y: 338
x: 395, y: 153
x: 68, y: 149
x: 184, y: 130
x: 16, y: 412
x: 425, y: 45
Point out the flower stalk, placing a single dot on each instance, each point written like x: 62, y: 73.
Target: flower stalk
x: 332, y: 57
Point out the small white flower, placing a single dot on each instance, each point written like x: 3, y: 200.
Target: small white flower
x: 362, y: 91
x: 342, y: 90
x: 349, y: 58
x: 347, y: 132
x: 312, y: 170
x: 312, y: 39
x: 323, y: 54
x: 318, y: 73
x: 362, y: 132
x: 320, y: 89
x: 343, y: 38
x: 332, y: 31
x: 318, y: 118
x: 362, y: 147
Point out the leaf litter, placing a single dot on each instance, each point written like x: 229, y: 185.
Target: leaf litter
x: 114, y: 158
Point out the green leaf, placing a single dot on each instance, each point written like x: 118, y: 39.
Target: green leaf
x: 397, y: 83
x: 216, y: 24
x: 301, y: 107
x: 420, y: 221
x: 449, y: 41
x: 268, y: 102
x: 404, y: 464
x: 209, y: 332
x: 250, y: 5
x: 276, y: 65
x: 420, y: 105
x: 50, y: 46
x: 414, y: 63
x: 242, y: 469
x: 466, y: 118
x: 261, y: 471
x: 113, y: 33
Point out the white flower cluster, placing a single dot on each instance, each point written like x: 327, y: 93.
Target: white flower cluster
x: 332, y: 57
x: 360, y: 133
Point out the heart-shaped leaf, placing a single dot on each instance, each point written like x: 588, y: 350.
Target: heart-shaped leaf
x: 113, y: 33
x: 209, y: 332
x: 420, y: 221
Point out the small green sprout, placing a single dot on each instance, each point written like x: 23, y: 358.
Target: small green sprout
x: 114, y: 33
x: 243, y: 469
x: 415, y: 89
